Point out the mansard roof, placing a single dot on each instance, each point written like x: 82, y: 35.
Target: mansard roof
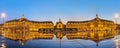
x: 24, y: 19
x: 41, y: 21
x: 77, y: 21
x: 102, y: 20
x: 17, y: 20
x: 88, y: 21
x: 97, y: 18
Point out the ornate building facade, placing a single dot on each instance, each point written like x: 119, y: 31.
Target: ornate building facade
x: 96, y: 28
x: 24, y: 29
x: 95, y: 24
x: 28, y: 24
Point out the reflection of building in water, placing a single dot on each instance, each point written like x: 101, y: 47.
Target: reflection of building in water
x: 59, y: 35
x: 95, y: 36
x: 31, y: 35
x: 99, y: 35
x: 96, y: 28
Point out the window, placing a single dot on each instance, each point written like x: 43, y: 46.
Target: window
x: 96, y: 24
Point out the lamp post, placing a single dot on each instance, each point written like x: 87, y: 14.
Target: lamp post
x: 3, y: 16
x: 116, y: 16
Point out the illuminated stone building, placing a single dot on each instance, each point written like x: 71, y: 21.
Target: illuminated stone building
x: 59, y: 25
x: 118, y: 28
x: 23, y: 29
x: 32, y: 25
x: 96, y: 28
x: 1, y: 28
x: 95, y: 24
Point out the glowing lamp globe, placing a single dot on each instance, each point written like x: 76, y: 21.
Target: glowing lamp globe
x: 116, y: 15
x: 3, y: 15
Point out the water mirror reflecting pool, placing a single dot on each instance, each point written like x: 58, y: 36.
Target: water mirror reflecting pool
x: 58, y: 40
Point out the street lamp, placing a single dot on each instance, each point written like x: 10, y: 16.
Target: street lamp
x: 116, y: 16
x: 3, y: 16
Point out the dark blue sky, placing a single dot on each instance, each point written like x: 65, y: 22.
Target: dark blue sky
x: 43, y: 10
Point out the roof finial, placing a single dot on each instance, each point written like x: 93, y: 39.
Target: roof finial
x: 22, y: 16
x: 59, y: 20
x: 96, y: 15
